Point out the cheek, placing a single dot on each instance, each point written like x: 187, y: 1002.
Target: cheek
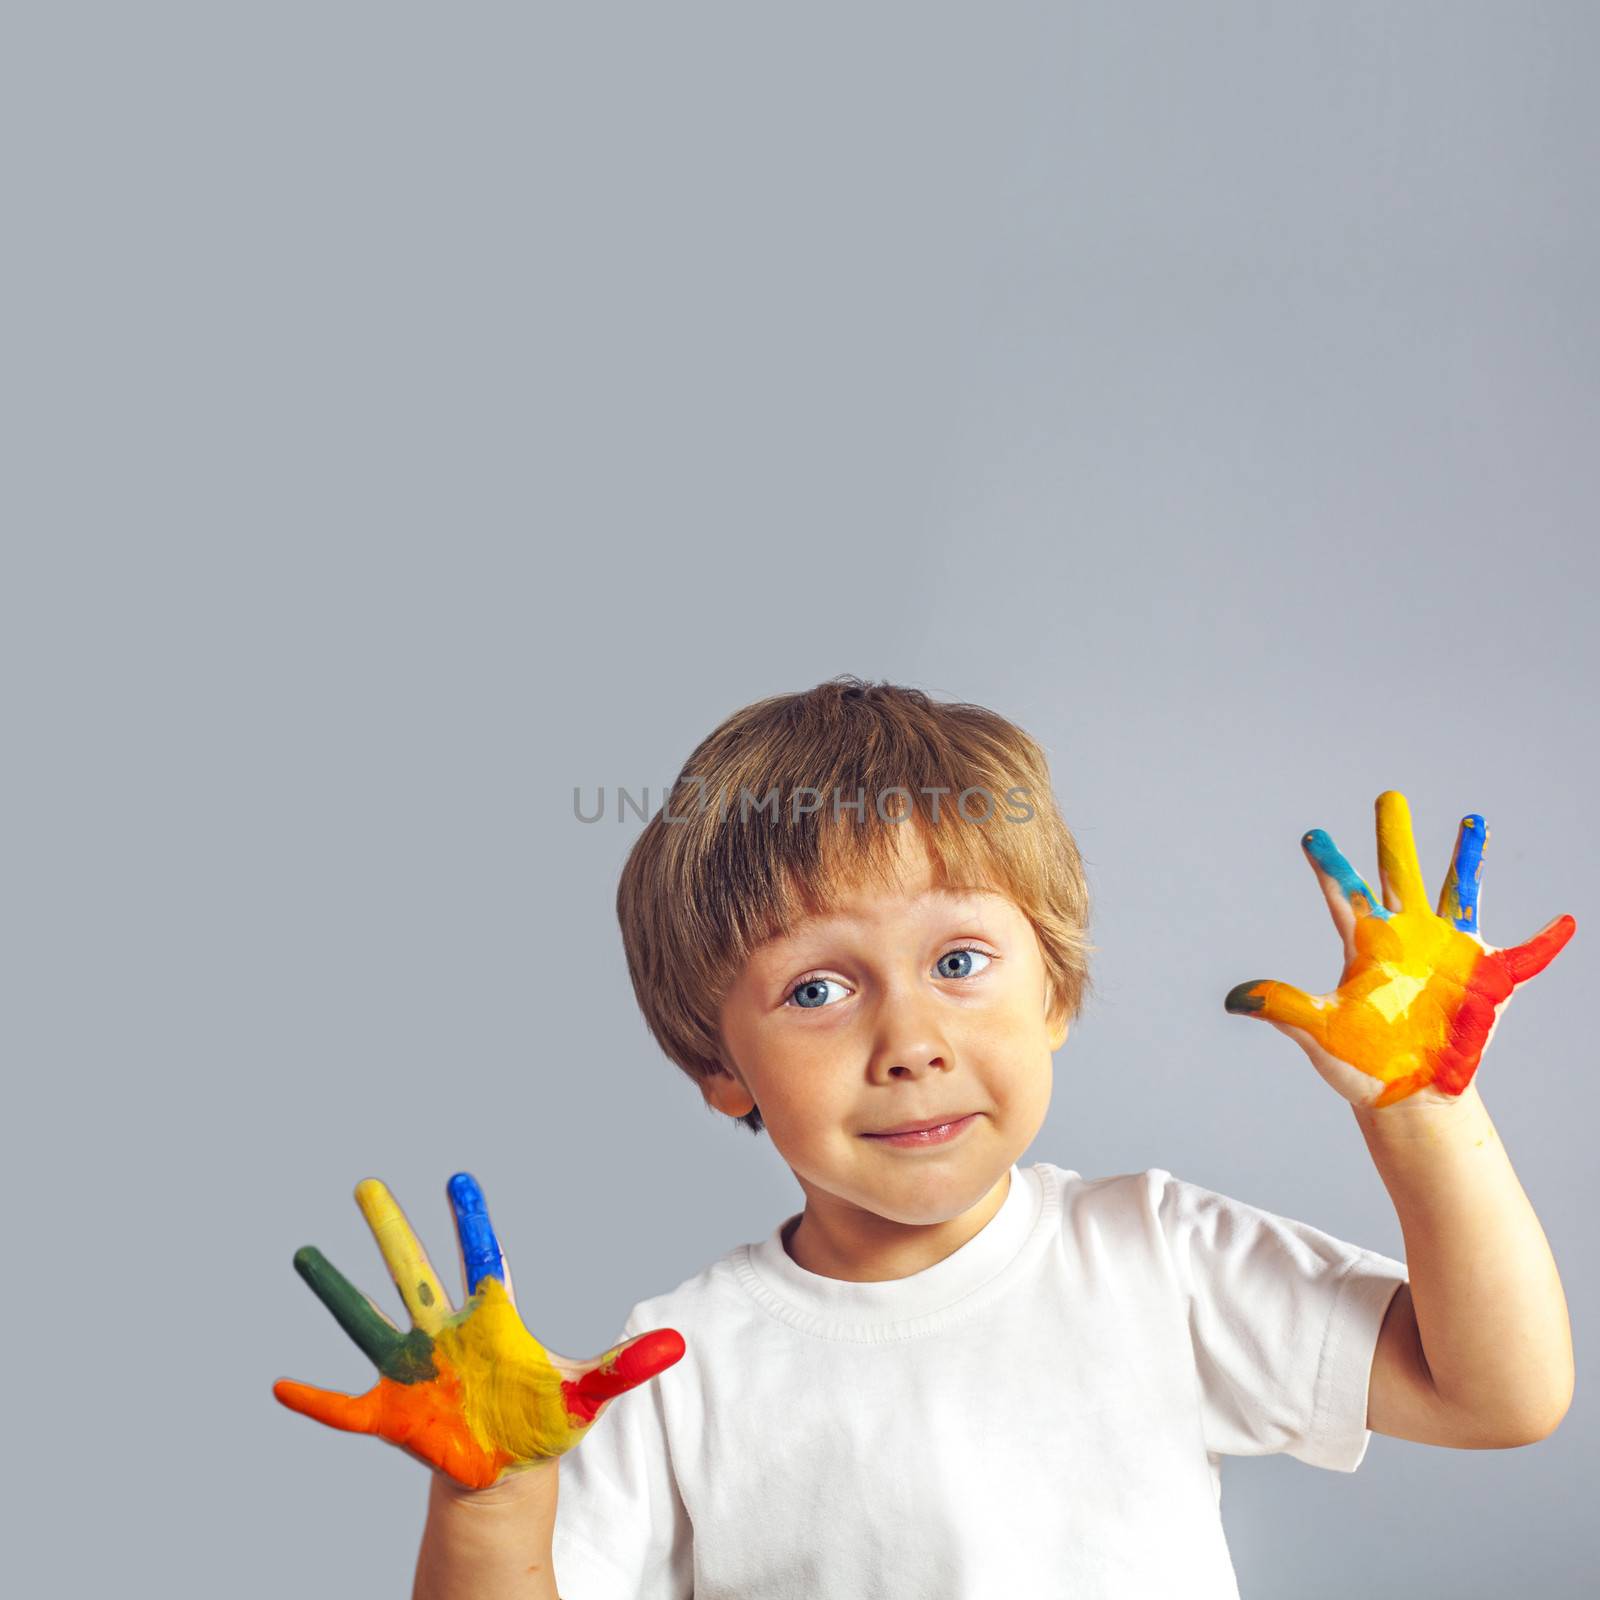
x: 808, y: 1101
x: 1019, y: 1023
x: 805, y: 1098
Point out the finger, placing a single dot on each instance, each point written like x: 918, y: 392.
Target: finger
x: 353, y: 1311
x: 1280, y: 1003
x: 404, y: 1256
x: 1458, y: 899
x: 1348, y: 895
x: 481, y: 1256
x: 355, y: 1413
x: 422, y: 1419
x: 1398, y: 868
x: 1532, y: 956
x: 625, y: 1369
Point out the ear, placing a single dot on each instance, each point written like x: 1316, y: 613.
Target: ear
x: 724, y: 1091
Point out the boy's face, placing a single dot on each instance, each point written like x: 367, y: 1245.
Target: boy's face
x: 871, y: 1018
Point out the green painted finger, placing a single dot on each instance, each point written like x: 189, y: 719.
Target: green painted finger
x: 407, y: 1358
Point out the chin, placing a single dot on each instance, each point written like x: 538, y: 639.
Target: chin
x: 928, y: 1193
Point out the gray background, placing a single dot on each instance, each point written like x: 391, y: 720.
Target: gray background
x: 413, y: 413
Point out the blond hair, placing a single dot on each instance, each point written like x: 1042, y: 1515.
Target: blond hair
x: 720, y: 868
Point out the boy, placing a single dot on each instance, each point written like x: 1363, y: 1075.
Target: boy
x: 951, y: 1375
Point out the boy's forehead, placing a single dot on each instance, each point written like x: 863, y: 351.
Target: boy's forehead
x: 873, y: 902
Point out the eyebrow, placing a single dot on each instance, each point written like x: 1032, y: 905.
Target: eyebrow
x: 817, y: 927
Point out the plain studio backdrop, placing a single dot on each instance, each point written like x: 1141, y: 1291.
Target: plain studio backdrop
x: 413, y: 415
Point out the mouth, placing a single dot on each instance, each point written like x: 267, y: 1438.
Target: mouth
x: 928, y: 1125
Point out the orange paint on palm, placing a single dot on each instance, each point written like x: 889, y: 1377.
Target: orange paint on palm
x: 424, y: 1418
x: 1415, y: 1010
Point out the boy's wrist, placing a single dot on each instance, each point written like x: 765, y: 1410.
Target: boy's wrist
x: 531, y: 1485
x: 1426, y: 1120
x: 482, y: 1544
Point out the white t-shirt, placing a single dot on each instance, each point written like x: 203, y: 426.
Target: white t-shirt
x: 1041, y: 1413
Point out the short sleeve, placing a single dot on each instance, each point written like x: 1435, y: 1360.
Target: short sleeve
x: 621, y: 1531
x: 1284, y: 1320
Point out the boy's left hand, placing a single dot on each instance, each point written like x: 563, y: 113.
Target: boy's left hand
x: 1421, y: 993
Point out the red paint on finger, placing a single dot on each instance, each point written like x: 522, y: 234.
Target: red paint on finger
x: 651, y: 1353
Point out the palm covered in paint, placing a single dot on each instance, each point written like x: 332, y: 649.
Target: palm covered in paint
x: 470, y: 1392
x: 1421, y: 993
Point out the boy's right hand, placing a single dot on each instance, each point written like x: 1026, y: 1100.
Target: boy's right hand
x: 470, y: 1392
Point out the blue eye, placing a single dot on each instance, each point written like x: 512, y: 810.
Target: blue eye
x: 955, y: 955
x: 811, y: 986
x: 811, y: 994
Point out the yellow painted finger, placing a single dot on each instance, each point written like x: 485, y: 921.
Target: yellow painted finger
x: 404, y: 1256
x: 1401, y: 872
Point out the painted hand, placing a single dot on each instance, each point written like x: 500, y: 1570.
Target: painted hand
x: 470, y: 1392
x: 1421, y: 993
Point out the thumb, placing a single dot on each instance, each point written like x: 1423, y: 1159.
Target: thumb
x: 355, y: 1413
x: 621, y: 1369
x: 1279, y: 1003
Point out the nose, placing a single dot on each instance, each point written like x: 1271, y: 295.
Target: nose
x: 909, y: 1040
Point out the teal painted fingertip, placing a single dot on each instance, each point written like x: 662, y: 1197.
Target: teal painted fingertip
x: 1331, y: 860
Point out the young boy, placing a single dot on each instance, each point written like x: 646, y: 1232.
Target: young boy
x: 951, y: 1375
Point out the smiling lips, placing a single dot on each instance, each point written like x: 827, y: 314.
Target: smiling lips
x: 921, y: 1127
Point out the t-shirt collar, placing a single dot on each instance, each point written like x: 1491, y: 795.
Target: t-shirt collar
x: 961, y: 1273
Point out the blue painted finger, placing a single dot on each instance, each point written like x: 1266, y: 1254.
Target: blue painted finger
x: 480, y: 1250
x: 1458, y: 899
x: 1330, y: 859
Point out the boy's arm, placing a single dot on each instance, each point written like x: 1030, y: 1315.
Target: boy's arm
x: 1477, y: 1352
x: 490, y: 1544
